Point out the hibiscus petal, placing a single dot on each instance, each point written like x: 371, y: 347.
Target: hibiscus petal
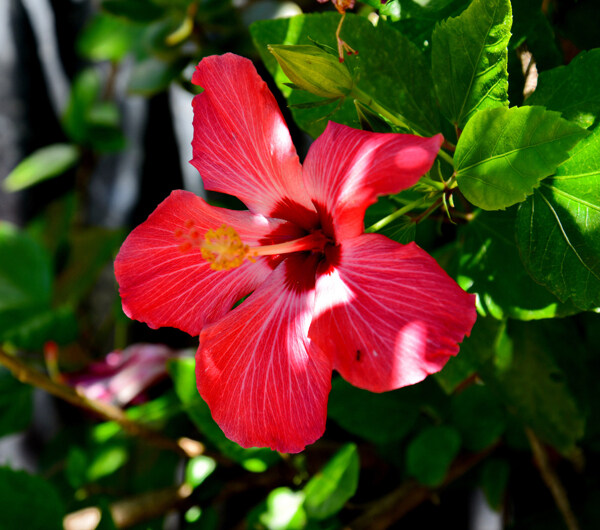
x: 346, y: 169
x: 264, y: 380
x: 388, y: 313
x: 241, y: 143
x: 163, y: 285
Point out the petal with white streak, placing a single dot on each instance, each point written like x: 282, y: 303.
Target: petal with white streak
x: 388, y: 313
x: 264, y: 380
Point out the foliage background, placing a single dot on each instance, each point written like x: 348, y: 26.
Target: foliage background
x: 105, y: 87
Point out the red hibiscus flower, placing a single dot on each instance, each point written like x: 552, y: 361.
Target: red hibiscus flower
x: 323, y: 295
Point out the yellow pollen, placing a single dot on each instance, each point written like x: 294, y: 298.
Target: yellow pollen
x: 224, y: 249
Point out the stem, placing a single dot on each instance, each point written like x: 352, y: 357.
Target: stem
x: 433, y: 183
x: 445, y: 156
x: 382, y: 111
x: 394, y: 118
x: 551, y: 480
x: 393, y: 216
x: 183, y: 446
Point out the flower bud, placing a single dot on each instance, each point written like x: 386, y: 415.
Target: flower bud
x: 313, y: 70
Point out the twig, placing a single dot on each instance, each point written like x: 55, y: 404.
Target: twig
x: 131, y: 511
x: 409, y: 495
x: 551, y: 480
x: 24, y: 373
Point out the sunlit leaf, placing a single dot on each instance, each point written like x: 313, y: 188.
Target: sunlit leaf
x: 469, y: 60
x: 41, y: 165
x: 328, y: 491
x: 503, y: 154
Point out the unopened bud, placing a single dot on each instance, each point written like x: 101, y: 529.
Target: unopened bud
x: 314, y: 70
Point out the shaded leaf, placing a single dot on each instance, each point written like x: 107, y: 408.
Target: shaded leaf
x: 469, y: 55
x: 27, y: 501
x: 572, y: 89
x: 16, y: 402
x: 493, y: 481
x: 490, y: 266
x: 328, y: 491
x: 43, y: 164
x: 479, y: 417
x: 151, y: 75
x: 380, y: 418
x: 503, y: 154
x: 558, y: 228
x: 136, y: 10
x: 430, y: 454
x: 107, y: 38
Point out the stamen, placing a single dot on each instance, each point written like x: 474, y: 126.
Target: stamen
x: 224, y: 249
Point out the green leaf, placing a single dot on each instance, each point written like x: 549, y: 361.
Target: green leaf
x: 27, y: 501
x: 531, y: 26
x: 16, y: 402
x: 198, y: 469
x: 380, y: 418
x: 91, y: 250
x: 282, y: 510
x: 469, y: 60
x: 328, y: 491
x: 136, y: 10
x: 183, y: 374
x: 152, y: 75
x: 402, y: 86
x: 572, y: 89
x: 107, y: 38
x: 520, y: 364
x: 41, y: 165
x: 479, y: 417
x: 503, y: 154
x: 430, y: 454
x: 558, y: 228
x: 85, y: 91
x: 493, y: 481
x: 25, y: 276
x: 490, y: 266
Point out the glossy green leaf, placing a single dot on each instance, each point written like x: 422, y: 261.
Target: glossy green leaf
x: 198, y: 469
x: 572, y: 89
x: 490, y: 266
x: 16, y: 402
x: 558, y: 228
x: 403, y: 87
x: 430, y: 454
x: 43, y: 164
x: 469, y: 60
x: 503, y: 154
x: 380, y: 418
x: 479, y: 417
x: 328, y: 491
x: 183, y: 374
x: 28, y: 501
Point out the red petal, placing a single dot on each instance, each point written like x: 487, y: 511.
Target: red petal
x: 241, y: 143
x: 265, y: 382
x: 346, y: 169
x: 389, y: 314
x: 164, y: 286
